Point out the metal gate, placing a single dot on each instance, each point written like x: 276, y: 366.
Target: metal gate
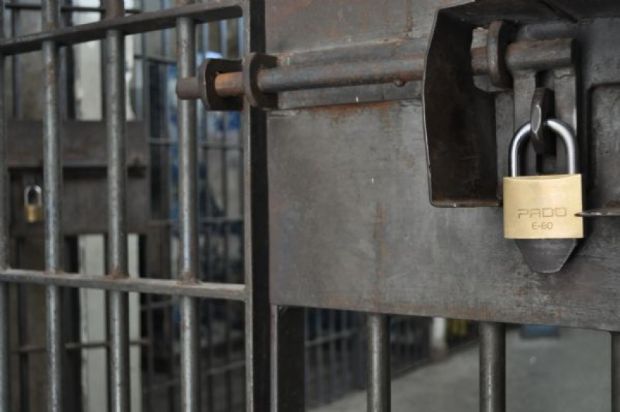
x: 340, y: 142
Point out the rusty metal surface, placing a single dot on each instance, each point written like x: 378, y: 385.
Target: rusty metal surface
x: 137, y: 23
x: 336, y: 31
x: 351, y: 226
x: 84, y: 199
x: 84, y: 147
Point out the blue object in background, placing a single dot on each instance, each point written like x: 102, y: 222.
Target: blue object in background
x: 539, y: 331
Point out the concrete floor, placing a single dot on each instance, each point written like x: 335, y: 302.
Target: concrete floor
x: 570, y: 373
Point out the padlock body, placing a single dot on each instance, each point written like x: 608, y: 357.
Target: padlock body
x: 543, y: 207
x: 33, y: 213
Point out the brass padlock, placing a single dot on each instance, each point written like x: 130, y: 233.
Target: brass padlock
x: 544, y: 206
x: 33, y: 204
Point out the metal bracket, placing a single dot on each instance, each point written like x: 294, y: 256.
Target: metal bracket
x: 499, y: 35
x: 222, y: 84
x: 252, y: 64
x: 459, y: 119
x: 460, y: 128
x: 203, y: 85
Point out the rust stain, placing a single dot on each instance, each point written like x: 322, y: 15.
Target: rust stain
x: 340, y: 113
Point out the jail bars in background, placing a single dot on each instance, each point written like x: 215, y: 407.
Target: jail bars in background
x: 193, y: 348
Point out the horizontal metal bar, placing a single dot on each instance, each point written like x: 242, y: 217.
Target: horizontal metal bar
x: 342, y: 74
x: 212, y: 10
x: 205, y: 290
x: 64, y: 9
x: 529, y: 55
x: 289, y: 78
x: 532, y: 55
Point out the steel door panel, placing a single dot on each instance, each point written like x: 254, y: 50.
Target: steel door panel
x: 352, y: 227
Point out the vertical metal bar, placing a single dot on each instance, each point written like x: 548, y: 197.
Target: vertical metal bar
x: 256, y: 239
x: 5, y: 397
x: 378, y: 363
x: 188, y: 222
x: 240, y: 38
x: 615, y: 372
x: 225, y: 225
x: 52, y: 180
x: 147, y: 394
x: 287, y: 357
x: 210, y: 259
x: 492, y: 367
x: 15, y: 73
x: 210, y: 350
x: 22, y: 339
x: 208, y: 228
x: 114, y: 96
x: 173, y: 375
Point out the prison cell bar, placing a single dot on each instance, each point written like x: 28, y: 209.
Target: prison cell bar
x: 492, y: 367
x: 211, y: 10
x: 114, y: 94
x: 204, y: 290
x: 67, y: 37
x: 256, y: 229
x: 52, y: 181
x: 113, y: 28
x: 378, y: 363
x: 64, y: 8
x: 188, y: 217
x: 206, y: 255
x: 4, y: 237
x: 223, y: 28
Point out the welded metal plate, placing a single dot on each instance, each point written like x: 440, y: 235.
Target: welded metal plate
x: 352, y: 228
x: 351, y: 225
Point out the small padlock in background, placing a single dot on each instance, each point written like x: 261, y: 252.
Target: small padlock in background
x: 33, y: 204
x: 543, y: 206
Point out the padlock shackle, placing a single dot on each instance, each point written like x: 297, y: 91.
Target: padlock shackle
x: 38, y: 192
x: 558, y: 126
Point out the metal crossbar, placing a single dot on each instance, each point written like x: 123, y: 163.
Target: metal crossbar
x: 212, y: 10
x: 205, y: 290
